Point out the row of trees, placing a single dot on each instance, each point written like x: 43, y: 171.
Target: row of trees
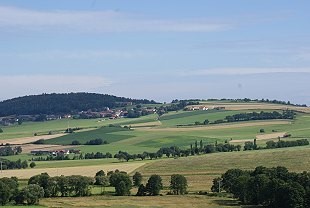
x: 96, y: 142
x: 10, y: 193
x: 175, y: 151
x: 259, y: 100
x: 282, y: 144
x: 63, y: 186
x: 287, y: 114
x: 7, y: 150
x: 8, y: 165
x: 272, y: 144
x: 271, y: 187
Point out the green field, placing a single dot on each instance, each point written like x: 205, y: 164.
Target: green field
x: 200, y: 170
x: 27, y: 129
x: 109, y: 134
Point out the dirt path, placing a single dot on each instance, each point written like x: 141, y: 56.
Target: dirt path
x: 222, y: 126
x: 85, y: 171
x: 25, y: 140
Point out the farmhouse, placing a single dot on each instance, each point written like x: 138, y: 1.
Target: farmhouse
x: 50, y: 152
x: 193, y: 108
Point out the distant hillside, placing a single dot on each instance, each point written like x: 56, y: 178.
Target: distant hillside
x: 64, y: 103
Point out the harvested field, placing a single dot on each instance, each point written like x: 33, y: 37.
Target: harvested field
x: 254, y: 106
x: 270, y: 136
x: 219, y: 126
x: 147, y: 124
x: 26, y: 140
x: 146, y: 202
x: 261, y: 137
x: 85, y: 171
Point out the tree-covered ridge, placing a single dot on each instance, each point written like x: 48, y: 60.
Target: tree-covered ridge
x: 64, y: 103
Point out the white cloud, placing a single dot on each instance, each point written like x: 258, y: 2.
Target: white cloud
x: 16, y: 85
x: 245, y: 71
x: 99, y: 21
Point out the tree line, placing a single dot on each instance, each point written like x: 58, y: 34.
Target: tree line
x: 43, y: 185
x: 287, y: 114
x: 274, y: 101
x: 91, y: 142
x: 269, y: 187
x: 196, y: 148
x: 9, y: 165
x: 7, y: 150
x: 272, y: 144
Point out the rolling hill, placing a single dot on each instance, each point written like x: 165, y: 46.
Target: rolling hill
x: 64, y: 103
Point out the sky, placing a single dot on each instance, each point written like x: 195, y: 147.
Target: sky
x: 156, y: 49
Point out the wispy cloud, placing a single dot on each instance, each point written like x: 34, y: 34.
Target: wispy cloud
x: 17, y: 85
x: 76, y: 54
x: 100, y: 21
x: 244, y: 71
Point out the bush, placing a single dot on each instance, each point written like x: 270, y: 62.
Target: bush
x: 31, y: 194
x: 75, y: 142
x: 32, y: 164
x: 94, y: 142
x: 1, y: 131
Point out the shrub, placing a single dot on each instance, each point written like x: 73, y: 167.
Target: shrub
x: 75, y: 142
x: 32, y: 164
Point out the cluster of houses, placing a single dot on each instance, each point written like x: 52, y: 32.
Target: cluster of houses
x: 204, y: 108
x: 55, y: 152
x: 7, y: 121
x: 107, y: 113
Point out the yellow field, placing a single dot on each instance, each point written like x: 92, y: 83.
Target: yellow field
x: 252, y: 106
x: 25, y: 140
x: 219, y: 126
x: 145, y: 202
x: 260, y: 137
x: 66, y: 171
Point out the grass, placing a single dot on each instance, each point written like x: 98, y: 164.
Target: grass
x: 108, y: 134
x: 201, y: 170
x: 27, y: 129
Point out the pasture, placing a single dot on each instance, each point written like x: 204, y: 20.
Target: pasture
x: 201, y: 170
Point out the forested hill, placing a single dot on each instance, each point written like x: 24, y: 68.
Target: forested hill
x: 63, y: 103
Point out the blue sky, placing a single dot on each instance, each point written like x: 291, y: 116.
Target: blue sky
x: 159, y: 50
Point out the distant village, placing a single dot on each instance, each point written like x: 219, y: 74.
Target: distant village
x: 105, y: 113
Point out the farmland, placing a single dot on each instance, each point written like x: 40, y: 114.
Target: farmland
x: 149, y: 133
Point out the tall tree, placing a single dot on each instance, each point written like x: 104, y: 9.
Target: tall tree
x: 178, y: 184
x: 137, y: 179
x: 154, y: 185
x: 121, y: 182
